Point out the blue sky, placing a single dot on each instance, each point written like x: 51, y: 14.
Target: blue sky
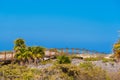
x: 91, y: 24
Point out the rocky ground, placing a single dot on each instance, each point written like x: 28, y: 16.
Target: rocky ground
x: 108, y: 66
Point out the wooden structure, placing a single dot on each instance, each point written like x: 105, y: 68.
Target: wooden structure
x: 5, y: 56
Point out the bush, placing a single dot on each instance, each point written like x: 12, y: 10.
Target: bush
x: 71, y: 72
x: 63, y: 59
x: 16, y: 72
x: 87, y: 65
x: 107, y: 60
x: 91, y: 59
x: 55, y: 72
x: 46, y: 62
x: 75, y: 57
x: 92, y: 72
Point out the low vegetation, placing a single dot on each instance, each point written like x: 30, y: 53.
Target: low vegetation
x: 93, y: 72
x: 91, y: 59
x: 97, y: 58
x: 72, y: 56
x: 104, y: 60
x: 46, y: 62
x: 86, y: 71
x: 63, y: 59
x: 16, y: 72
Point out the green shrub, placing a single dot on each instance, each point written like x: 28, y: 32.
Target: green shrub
x: 75, y: 57
x: 92, y: 72
x: 87, y: 65
x: 63, y: 59
x: 46, y: 62
x: 72, y: 72
x: 91, y: 59
x: 107, y: 60
x: 55, y: 72
x: 15, y: 72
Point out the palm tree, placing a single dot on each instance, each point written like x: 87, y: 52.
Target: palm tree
x: 19, y: 44
x: 26, y: 54
x: 116, y: 50
x: 21, y: 51
x: 117, y: 55
x: 19, y: 57
x: 38, y: 53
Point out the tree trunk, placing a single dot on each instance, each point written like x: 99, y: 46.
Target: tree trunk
x: 35, y: 61
x: 29, y: 61
x: 21, y: 63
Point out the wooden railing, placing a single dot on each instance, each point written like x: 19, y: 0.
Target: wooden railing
x: 50, y: 52
x: 6, y: 56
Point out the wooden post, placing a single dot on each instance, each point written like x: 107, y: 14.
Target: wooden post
x: 5, y: 56
x: 72, y: 50
x: 80, y: 51
x: 56, y: 51
x: 67, y: 50
x: 62, y: 51
x: 50, y: 53
x: 77, y: 51
x: 12, y: 56
x: 97, y: 53
x: 84, y: 51
x: 87, y: 51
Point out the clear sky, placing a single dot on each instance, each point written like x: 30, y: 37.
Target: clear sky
x: 91, y: 24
